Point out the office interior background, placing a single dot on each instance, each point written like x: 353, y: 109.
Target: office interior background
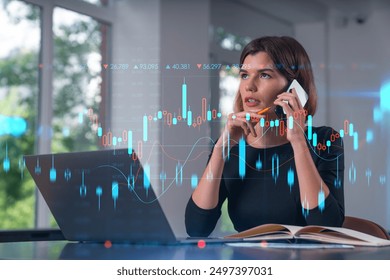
x: 79, y: 75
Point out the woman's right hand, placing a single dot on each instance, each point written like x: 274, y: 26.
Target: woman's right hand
x: 239, y: 125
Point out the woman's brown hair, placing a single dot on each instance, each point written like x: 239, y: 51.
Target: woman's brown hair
x: 290, y: 59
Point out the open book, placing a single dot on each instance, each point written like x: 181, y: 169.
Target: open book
x: 315, y: 233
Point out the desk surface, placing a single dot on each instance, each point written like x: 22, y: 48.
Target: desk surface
x: 46, y: 250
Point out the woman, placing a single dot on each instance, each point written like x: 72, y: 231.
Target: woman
x: 266, y: 165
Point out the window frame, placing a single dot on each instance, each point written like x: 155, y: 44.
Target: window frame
x: 103, y: 14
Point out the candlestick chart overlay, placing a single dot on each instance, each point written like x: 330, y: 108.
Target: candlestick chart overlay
x: 194, y: 113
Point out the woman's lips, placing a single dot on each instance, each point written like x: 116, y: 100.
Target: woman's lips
x: 252, y: 102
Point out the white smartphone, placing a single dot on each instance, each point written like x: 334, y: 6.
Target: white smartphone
x: 302, y: 95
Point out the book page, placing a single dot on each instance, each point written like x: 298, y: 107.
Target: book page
x: 340, y: 235
x: 267, y: 230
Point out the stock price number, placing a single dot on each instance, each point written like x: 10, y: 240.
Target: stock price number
x: 119, y: 66
x: 181, y: 66
x: 148, y: 66
x: 212, y: 66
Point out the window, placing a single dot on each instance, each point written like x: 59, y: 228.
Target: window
x: 77, y: 79
x: 229, y: 41
x: 97, y: 2
x: 65, y: 67
x: 19, y: 86
x: 228, y: 87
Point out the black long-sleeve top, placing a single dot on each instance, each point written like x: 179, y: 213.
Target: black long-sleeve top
x: 269, y: 190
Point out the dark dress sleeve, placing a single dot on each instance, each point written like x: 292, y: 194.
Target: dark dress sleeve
x: 201, y: 222
x: 330, y: 165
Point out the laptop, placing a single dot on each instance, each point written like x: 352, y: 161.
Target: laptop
x: 102, y: 196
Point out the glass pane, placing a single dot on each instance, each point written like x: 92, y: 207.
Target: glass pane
x: 97, y: 2
x: 77, y: 80
x: 228, y: 87
x: 229, y: 41
x: 19, y: 84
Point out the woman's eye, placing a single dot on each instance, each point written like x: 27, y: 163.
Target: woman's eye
x: 265, y: 76
x: 244, y: 76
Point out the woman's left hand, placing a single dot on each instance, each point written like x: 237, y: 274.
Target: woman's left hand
x: 289, y: 101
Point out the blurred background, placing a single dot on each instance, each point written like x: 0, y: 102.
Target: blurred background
x: 79, y: 75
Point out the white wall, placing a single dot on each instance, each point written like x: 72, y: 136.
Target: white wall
x: 355, y: 59
x: 184, y: 40
x: 313, y: 37
x: 162, y: 32
x: 135, y: 93
x: 359, y: 63
x: 136, y: 40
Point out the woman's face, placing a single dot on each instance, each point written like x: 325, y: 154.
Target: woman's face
x: 260, y: 82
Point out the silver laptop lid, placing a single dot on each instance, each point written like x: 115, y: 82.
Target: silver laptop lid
x: 100, y: 196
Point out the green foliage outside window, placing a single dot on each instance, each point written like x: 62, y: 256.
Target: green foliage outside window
x: 19, y: 93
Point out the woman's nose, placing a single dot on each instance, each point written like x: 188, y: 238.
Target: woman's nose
x: 251, y: 86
